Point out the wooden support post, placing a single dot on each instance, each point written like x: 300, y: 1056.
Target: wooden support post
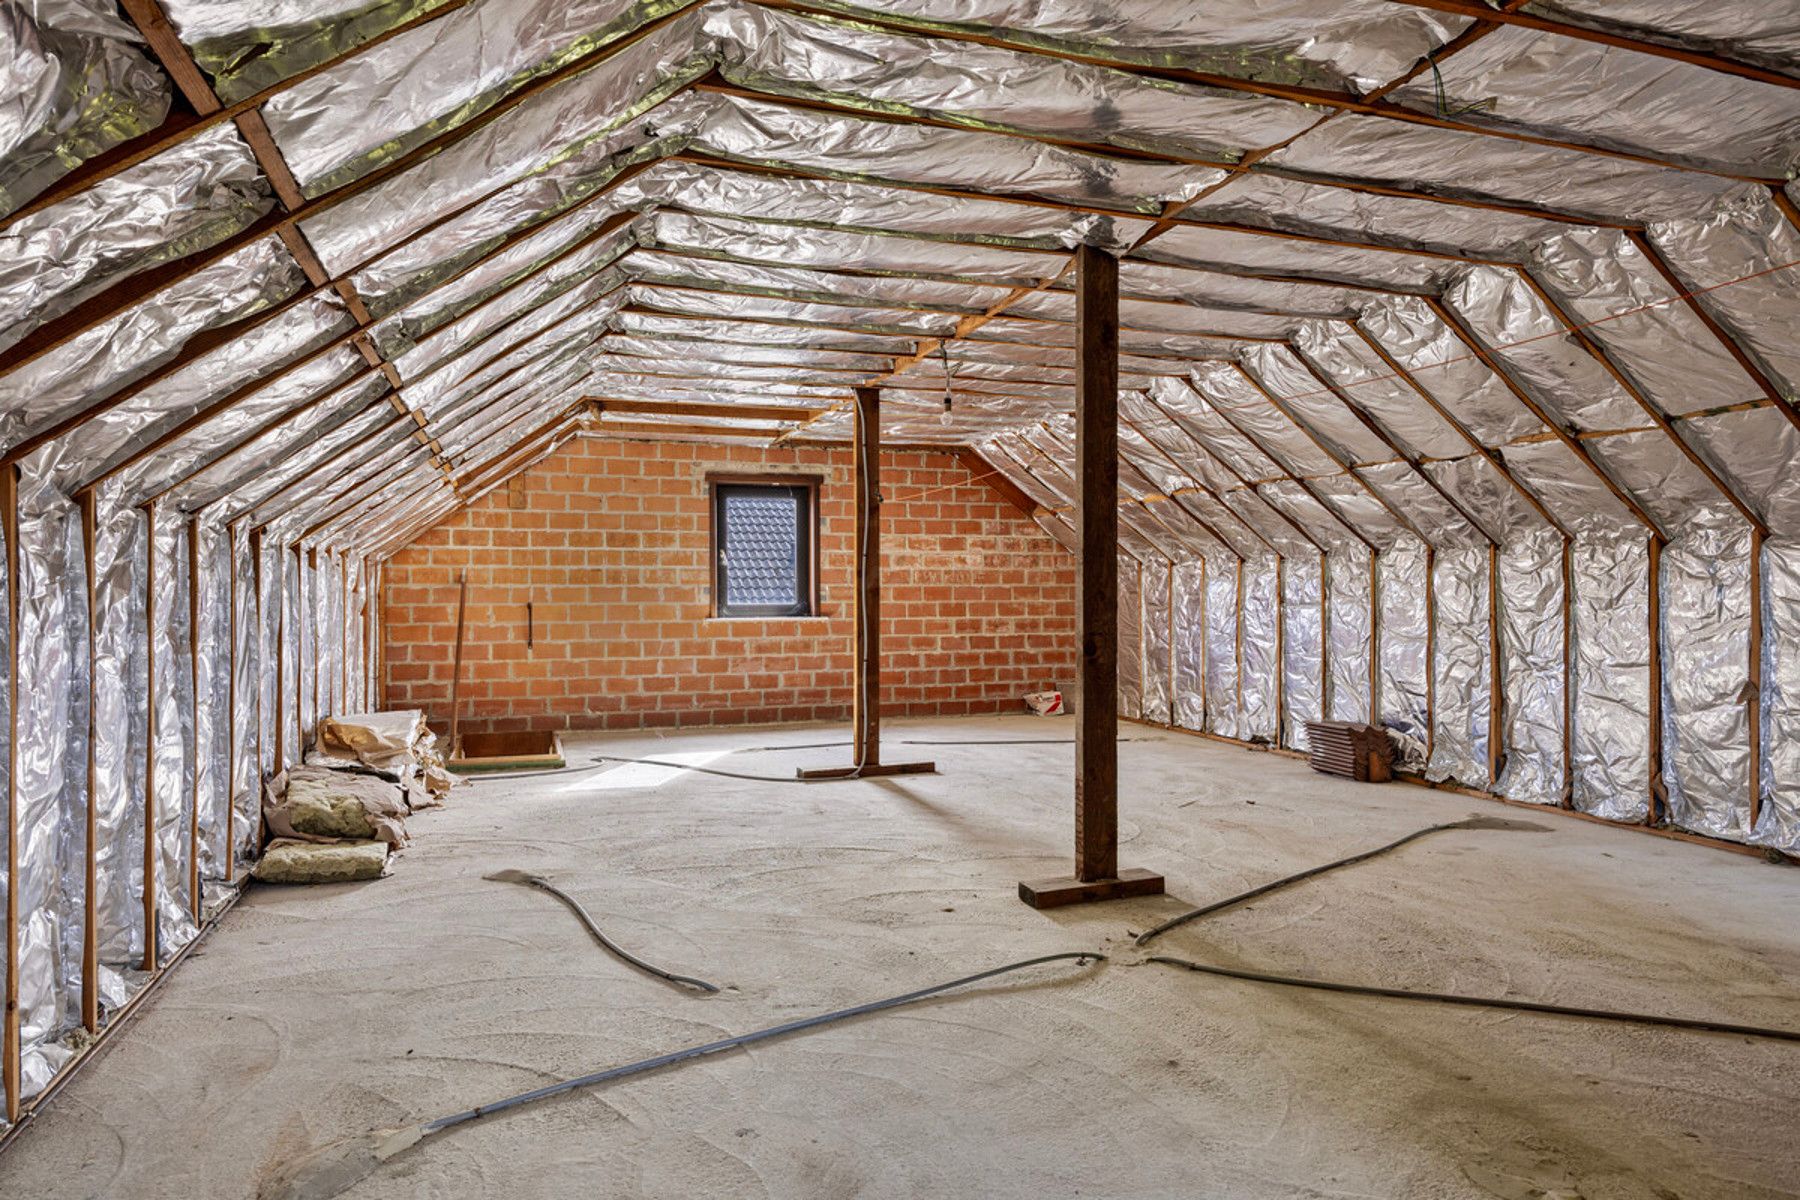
x: 1169, y: 636
x: 1324, y: 636
x: 1097, y: 875
x: 90, y: 904
x: 151, y: 617
x: 343, y: 697
x: 1205, y: 641
x: 865, y: 666
x: 866, y: 700
x: 193, y: 569
x: 302, y: 618
x: 11, y: 1050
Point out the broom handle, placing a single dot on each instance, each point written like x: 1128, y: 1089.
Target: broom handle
x: 462, y: 604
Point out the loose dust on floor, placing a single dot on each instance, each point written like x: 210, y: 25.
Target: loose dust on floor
x: 316, y: 1013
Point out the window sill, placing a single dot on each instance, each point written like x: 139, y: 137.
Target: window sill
x: 810, y: 617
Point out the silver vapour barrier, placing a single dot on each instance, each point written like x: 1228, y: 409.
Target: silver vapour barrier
x: 1367, y: 436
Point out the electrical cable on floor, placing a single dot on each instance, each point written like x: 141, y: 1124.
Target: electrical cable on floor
x: 542, y: 884
x: 335, y: 1168
x: 1531, y: 1006
x: 663, y: 762
x: 1310, y: 872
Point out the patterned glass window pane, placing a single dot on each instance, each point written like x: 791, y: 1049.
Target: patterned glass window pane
x: 762, y: 552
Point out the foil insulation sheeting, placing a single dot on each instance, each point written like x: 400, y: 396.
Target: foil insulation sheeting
x: 1778, y: 824
x: 1302, y: 646
x: 1531, y: 652
x: 1188, y: 643
x: 172, y: 743
x: 1157, y: 585
x: 1403, y: 705
x: 1260, y: 612
x: 1224, y: 711
x: 1611, y: 664
x: 1131, y: 640
x: 1705, y: 587
x: 1461, y: 668
x: 1349, y: 636
x: 51, y: 762
x: 79, y: 85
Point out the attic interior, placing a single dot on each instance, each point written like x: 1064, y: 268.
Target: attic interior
x: 1300, y: 493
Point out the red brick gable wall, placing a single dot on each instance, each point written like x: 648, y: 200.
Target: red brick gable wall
x: 609, y: 543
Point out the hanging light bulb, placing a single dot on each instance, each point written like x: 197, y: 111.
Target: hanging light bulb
x: 944, y: 354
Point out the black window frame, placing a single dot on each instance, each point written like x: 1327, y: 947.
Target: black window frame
x: 805, y: 491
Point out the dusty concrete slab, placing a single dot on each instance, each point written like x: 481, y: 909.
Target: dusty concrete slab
x: 1130, y: 1081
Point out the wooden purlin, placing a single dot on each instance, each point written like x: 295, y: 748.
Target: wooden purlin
x: 181, y: 126
x: 131, y: 291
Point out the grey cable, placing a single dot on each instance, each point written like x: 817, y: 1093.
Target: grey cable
x: 1532, y: 1006
x: 660, y: 762
x: 542, y: 884
x: 745, y: 1039
x: 1289, y: 880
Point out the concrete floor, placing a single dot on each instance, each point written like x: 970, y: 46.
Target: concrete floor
x: 313, y: 1014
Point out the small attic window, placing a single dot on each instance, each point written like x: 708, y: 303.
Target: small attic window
x: 763, y: 559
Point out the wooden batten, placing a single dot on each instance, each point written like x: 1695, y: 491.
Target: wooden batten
x: 11, y: 1051
x: 193, y: 570
x: 151, y: 617
x: 90, y: 895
